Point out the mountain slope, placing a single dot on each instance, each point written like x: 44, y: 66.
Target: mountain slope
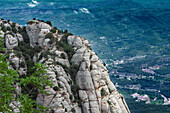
x: 81, y: 81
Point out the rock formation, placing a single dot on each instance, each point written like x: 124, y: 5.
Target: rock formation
x: 81, y: 81
x: 33, y: 30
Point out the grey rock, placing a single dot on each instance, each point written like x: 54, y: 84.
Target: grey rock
x: 2, y: 33
x: 33, y: 31
x: 84, y: 80
x: 11, y: 41
x: 20, y: 37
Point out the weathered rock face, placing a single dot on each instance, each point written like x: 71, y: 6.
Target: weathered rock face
x: 96, y: 92
x: 92, y: 78
x: 11, y: 41
x: 81, y: 81
x: 33, y: 30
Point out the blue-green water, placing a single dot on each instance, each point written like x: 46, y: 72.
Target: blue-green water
x: 117, y: 29
x: 126, y: 22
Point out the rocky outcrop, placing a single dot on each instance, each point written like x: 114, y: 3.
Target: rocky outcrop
x: 33, y: 30
x: 93, y: 80
x: 81, y: 81
x: 11, y: 41
x: 96, y: 92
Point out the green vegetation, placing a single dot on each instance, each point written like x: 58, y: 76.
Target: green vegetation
x: 33, y: 82
x: 163, y: 70
x: 63, y: 56
x: 10, y: 33
x: 103, y: 92
x: 3, y: 28
x: 65, y: 46
x: 109, y: 102
x: 71, y: 97
x: 73, y: 70
x: 51, y: 37
x: 24, y: 34
x: 53, y: 30
x: 28, y: 52
x: 65, y: 109
x: 49, y: 23
x: 73, y: 110
x: 35, y: 79
x: 30, y: 22
x: 138, y: 107
x: 56, y: 88
x: 14, y: 30
x: 74, y: 88
x: 8, y: 28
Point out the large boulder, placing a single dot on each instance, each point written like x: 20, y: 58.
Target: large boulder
x: 11, y: 41
x: 33, y: 30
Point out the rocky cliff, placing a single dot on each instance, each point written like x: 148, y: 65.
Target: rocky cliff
x: 81, y: 81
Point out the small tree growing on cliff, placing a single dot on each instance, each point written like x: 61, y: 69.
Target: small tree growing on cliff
x: 9, y: 78
x: 103, y: 92
x: 51, y: 37
x: 49, y: 23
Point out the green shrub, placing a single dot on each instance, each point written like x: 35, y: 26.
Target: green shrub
x: 3, y: 28
x: 67, y: 48
x: 63, y: 56
x: 103, y: 92
x: 13, y: 65
x: 73, y: 70
x: 109, y: 102
x: 29, y: 85
x: 56, y: 88
x: 49, y: 23
x: 70, y: 82
x: 73, y: 110
x: 66, y: 31
x: 25, y: 35
x: 10, y: 33
x: 71, y: 97
x: 22, y: 64
x: 110, y: 90
x: 8, y: 28
x: 14, y: 30
x: 53, y: 30
x: 65, y: 109
x: 37, y: 49
x: 56, y: 73
x: 49, y: 35
x: 51, y: 42
x: 5, y: 22
x: 17, y: 48
x: 60, y: 31
x: 30, y: 22
x: 74, y: 89
x: 91, y: 67
x: 13, y: 25
x: 18, y: 54
x: 41, y: 20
